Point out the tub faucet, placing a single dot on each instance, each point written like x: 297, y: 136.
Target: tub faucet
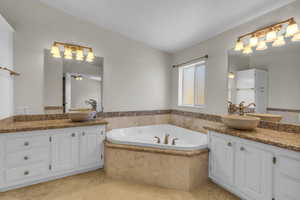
x: 158, y: 139
x: 174, y: 141
x: 166, y: 141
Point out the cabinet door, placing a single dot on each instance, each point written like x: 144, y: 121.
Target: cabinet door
x: 287, y: 177
x: 222, y: 160
x: 90, y: 148
x: 65, y: 151
x: 245, y: 79
x: 254, y: 172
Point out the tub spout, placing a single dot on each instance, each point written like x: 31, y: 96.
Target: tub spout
x: 174, y: 141
x: 158, y: 139
x: 166, y: 141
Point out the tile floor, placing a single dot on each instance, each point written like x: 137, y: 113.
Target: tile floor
x: 95, y: 186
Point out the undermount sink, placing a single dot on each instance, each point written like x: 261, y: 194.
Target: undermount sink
x: 82, y: 116
x: 266, y: 117
x: 240, y: 122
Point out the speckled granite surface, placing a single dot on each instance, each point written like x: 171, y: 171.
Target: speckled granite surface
x: 280, y: 139
x: 187, y: 153
x: 11, y: 127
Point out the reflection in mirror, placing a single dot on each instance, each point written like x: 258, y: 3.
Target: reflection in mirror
x: 71, y: 85
x: 266, y: 83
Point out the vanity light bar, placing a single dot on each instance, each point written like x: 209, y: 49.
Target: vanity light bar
x: 268, y: 34
x: 69, y: 49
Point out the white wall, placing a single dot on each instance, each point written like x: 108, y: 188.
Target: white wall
x: 6, y: 60
x: 216, y: 48
x: 53, y: 81
x: 136, y: 77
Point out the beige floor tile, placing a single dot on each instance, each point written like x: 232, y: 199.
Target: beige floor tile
x: 95, y: 186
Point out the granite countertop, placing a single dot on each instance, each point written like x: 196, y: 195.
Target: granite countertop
x: 280, y: 139
x: 187, y: 153
x: 11, y: 127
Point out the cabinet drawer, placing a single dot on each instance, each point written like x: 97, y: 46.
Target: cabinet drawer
x: 23, y: 173
x: 22, y: 158
x: 15, y: 144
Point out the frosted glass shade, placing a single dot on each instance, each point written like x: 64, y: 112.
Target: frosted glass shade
x: 247, y: 50
x: 253, y: 41
x: 291, y: 30
x: 261, y: 46
x: 279, y: 42
x: 239, y: 46
x: 271, y: 36
x: 296, y: 37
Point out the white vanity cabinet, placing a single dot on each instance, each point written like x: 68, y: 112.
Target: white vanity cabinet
x: 37, y: 156
x: 252, y: 170
x: 252, y: 87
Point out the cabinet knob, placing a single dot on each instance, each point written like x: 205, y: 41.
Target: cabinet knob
x: 229, y: 144
x: 242, y: 148
x: 26, y: 158
x: 26, y: 143
x: 73, y: 135
x: 26, y: 173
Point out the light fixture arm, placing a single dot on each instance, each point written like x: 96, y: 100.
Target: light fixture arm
x: 263, y: 31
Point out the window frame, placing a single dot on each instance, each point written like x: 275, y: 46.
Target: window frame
x: 181, y: 83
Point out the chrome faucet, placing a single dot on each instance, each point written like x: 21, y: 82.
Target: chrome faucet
x: 242, y: 108
x: 174, y: 141
x: 158, y: 139
x: 166, y: 141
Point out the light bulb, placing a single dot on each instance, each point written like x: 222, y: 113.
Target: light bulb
x: 247, y: 50
x: 78, y: 78
x: 253, y: 41
x: 79, y: 55
x: 55, y: 51
x: 271, y: 36
x: 68, y: 53
x: 90, y: 57
x: 231, y: 75
x: 239, y: 45
x: 279, y: 41
x: 296, y: 37
x: 261, y: 46
x: 292, y: 29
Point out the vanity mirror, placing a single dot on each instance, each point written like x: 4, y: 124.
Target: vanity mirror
x: 71, y: 85
x: 266, y: 83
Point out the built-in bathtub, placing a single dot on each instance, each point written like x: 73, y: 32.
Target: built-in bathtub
x: 134, y: 154
x: 145, y: 136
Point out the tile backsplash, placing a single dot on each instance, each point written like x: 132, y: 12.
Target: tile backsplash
x: 190, y: 120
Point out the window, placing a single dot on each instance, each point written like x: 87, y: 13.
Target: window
x: 192, y: 85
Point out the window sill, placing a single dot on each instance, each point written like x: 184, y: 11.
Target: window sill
x: 192, y: 106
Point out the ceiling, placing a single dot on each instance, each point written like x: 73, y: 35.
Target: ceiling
x: 168, y: 25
